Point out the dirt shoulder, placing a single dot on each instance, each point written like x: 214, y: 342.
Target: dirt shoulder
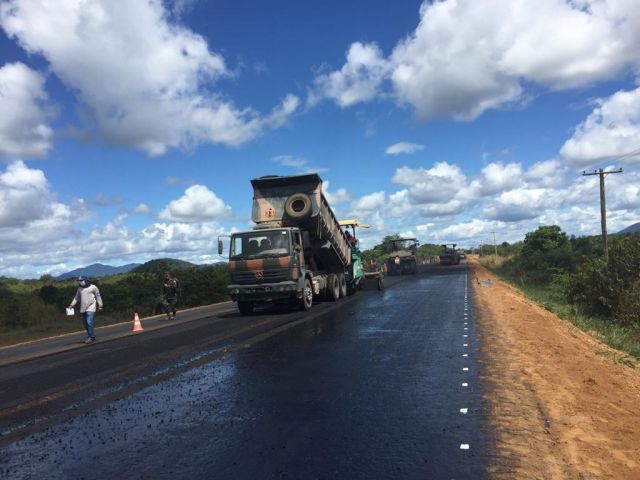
x: 561, y: 406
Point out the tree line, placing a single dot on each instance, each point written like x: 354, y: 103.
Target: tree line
x: 29, y: 303
x: 576, y: 267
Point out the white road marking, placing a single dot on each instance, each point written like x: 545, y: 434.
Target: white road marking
x: 465, y: 344
x: 465, y: 369
x: 465, y: 384
x: 465, y: 354
x: 464, y: 446
x: 466, y: 328
x: 465, y: 336
x: 464, y: 411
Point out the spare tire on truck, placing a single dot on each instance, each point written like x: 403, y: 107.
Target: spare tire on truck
x: 298, y: 206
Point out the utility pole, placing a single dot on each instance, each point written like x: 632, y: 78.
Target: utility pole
x: 495, y: 247
x: 603, y: 207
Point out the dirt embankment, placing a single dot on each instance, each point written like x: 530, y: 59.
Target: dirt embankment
x: 562, y: 407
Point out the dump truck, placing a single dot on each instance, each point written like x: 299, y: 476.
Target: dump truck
x: 296, y: 251
x: 449, y: 255
x: 403, y: 258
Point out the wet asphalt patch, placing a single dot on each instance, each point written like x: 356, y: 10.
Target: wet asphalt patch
x: 377, y: 389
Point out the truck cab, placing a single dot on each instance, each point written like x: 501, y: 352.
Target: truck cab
x: 266, y: 264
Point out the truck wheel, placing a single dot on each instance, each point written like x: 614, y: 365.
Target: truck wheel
x: 246, y: 308
x: 380, y: 284
x: 298, y: 206
x: 342, y: 282
x: 307, y: 295
x: 333, y: 287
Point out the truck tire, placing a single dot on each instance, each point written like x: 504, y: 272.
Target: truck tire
x: 333, y: 287
x: 342, y: 282
x: 298, y: 206
x: 246, y: 308
x: 307, y: 295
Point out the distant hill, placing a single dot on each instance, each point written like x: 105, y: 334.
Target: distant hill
x: 163, y: 265
x: 635, y: 228
x: 97, y: 270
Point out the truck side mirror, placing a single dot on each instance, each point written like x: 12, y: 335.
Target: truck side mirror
x: 220, y: 247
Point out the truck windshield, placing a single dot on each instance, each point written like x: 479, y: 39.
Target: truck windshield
x: 270, y: 243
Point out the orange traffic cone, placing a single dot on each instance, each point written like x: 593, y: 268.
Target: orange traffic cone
x: 137, y: 326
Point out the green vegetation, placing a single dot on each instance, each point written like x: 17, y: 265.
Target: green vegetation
x: 163, y: 265
x: 35, y: 308
x: 569, y: 276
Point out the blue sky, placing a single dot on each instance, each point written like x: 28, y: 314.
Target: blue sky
x: 130, y: 130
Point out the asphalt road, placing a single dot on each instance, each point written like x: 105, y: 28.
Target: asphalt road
x: 382, y: 385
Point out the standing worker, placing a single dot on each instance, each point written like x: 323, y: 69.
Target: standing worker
x: 89, y: 297
x: 170, y: 291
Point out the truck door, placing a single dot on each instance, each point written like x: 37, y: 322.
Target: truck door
x: 298, y: 250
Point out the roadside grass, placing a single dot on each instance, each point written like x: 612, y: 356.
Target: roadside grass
x: 620, y: 337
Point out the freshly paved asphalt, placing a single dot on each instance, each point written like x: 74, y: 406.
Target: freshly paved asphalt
x: 383, y: 385
x: 72, y: 341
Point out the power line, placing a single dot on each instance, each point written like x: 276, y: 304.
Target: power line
x: 630, y: 154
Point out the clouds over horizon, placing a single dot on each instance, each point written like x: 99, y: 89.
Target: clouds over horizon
x: 146, y: 82
x: 442, y: 203
x: 501, y: 197
x: 31, y: 217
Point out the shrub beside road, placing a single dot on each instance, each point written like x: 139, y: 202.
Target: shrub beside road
x: 568, y: 276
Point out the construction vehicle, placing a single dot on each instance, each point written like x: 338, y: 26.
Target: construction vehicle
x: 403, y: 257
x: 372, y: 275
x: 296, y: 250
x: 449, y: 255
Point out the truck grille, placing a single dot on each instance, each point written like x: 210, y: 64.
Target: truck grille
x: 263, y: 276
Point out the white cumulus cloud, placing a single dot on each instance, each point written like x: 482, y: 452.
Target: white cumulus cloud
x: 29, y: 212
x: 358, y: 80
x: 338, y: 197
x: 466, y: 57
x: 498, y: 177
x: 370, y: 203
x: 24, y: 131
x: 438, y: 184
x: 611, y: 131
x: 146, y: 81
x: 198, y: 204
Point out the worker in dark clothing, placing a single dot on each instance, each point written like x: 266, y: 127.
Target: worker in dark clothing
x: 170, y: 293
